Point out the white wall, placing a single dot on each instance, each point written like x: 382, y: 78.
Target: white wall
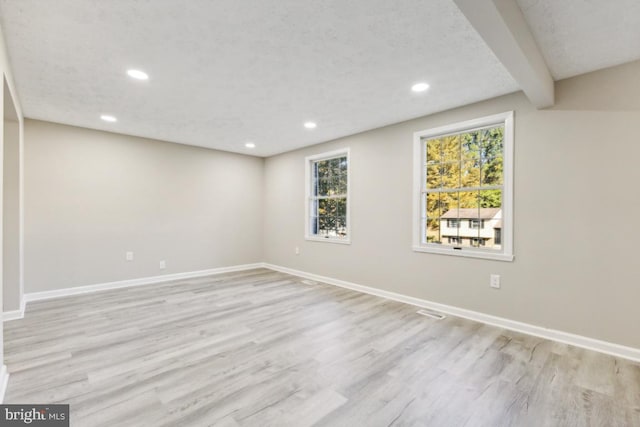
x: 576, y: 165
x: 90, y: 196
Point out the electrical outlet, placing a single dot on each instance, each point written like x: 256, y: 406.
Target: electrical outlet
x: 297, y: 250
x: 163, y: 265
x: 129, y: 256
x: 494, y: 281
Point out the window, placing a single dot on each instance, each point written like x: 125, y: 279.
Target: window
x: 476, y: 223
x: 327, y: 201
x: 464, y: 172
x: 476, y: 242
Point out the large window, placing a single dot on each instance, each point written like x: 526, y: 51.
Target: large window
x: 327, y: 201
x: 463, y: 185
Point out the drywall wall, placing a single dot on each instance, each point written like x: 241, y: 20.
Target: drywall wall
x: 576, y: 204
x: 12, y: 114
x: 92, y: 196
x: 11, y: 216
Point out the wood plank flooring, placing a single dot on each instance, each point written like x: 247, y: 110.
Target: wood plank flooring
x: 261, y: 348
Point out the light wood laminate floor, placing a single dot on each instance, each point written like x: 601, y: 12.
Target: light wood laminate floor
x: 261, y: 348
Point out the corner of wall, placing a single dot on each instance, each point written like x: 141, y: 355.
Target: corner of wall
x: 7, y: 75
x: 263, y: 203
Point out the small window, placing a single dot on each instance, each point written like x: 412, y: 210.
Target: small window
x: 477, y: 242
x: 327, y: 201
x: 476, y: 223
x: 463, y: 185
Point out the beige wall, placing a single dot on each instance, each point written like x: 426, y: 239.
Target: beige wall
x: 575, y: 166
x: 11, y: 217
x: 14, y: 114
x: 90, y: 196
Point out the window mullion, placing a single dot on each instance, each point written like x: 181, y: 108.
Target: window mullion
x: 335, y: 196
x: 464, y: 189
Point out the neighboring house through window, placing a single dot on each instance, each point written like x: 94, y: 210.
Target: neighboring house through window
x: 463, y: 184
x: 475, y: 234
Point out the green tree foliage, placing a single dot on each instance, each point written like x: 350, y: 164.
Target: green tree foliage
x: 330, y: 184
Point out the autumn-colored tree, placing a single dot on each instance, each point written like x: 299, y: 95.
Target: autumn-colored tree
x: 463, y: 168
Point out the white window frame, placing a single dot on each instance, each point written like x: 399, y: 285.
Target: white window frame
x: 419, y: 184
x: 307, y: 199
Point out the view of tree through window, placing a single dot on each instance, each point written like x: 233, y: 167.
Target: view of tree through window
x: 464, y: 185
x: 329, y: 197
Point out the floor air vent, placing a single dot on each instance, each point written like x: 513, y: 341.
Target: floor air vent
x: 432, y: 314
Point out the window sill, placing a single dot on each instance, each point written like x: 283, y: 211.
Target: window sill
x: 494, y: 256
x: 328, y: 240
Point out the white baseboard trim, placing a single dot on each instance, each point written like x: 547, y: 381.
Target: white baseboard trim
x: 39, y: 296
x: 550, y: 334
x: 4, y: 380
x: 609, y: 348
x: 15, y: 314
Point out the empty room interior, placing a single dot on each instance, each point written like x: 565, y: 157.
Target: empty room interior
x: 329, y: 213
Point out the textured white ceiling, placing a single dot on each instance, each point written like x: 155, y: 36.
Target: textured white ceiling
x: 578, y: 36
x: 224, y: 72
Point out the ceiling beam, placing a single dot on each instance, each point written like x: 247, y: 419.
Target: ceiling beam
x: 502, y: 26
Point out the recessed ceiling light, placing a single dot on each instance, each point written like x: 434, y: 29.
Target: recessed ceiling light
x: 420, y: 87
x: 108, y: 118
x: 250, y: 145
x: 310, y: 125
x: 137, y: 74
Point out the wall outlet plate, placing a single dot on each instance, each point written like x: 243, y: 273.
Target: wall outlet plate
x: 494, y: 281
